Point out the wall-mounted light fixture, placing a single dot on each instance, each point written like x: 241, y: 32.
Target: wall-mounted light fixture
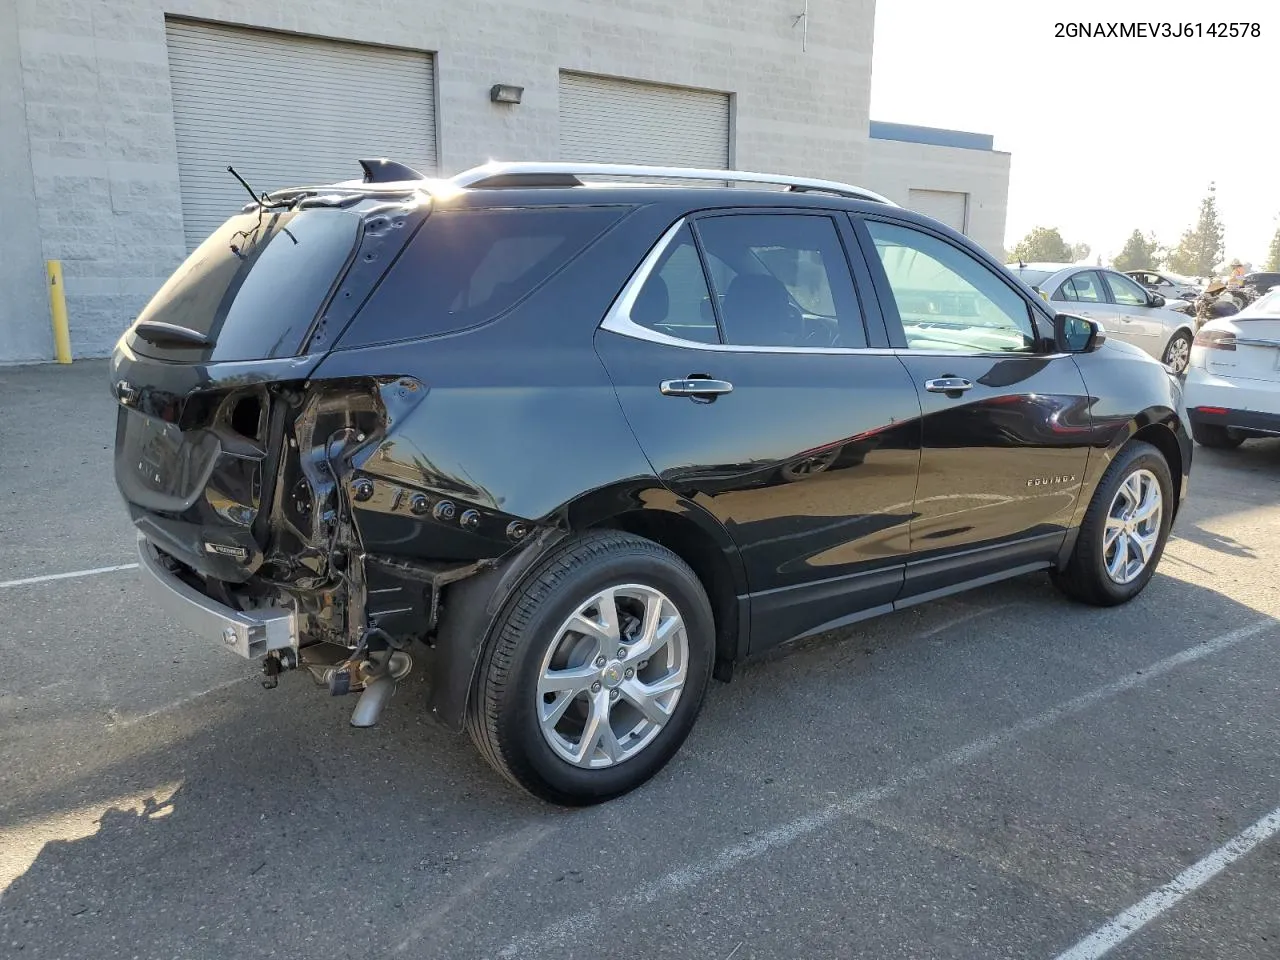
x: 505, y: 93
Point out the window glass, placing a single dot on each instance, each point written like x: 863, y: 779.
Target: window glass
x: 782, y: 280
x: 465, y: 267
x: 947, y: 299
x: 1082, y: 288
x: 674, y: 299
x: 254, y: 287
x: 1126, y: 291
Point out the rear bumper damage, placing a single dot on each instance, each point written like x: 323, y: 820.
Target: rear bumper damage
x: 249, y: 633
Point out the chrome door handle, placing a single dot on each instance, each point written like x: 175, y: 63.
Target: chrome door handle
x: 698, y: 388
x: 948, y: 385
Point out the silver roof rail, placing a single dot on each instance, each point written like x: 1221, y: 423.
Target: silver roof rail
x: 566, y: 174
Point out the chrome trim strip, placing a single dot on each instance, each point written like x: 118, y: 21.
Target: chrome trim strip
x: 476, y: 176
x: 1257, y: 342
x: 618, y: 320
x: 247, y: 633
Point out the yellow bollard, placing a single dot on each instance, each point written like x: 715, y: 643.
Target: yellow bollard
x: 58, y: 308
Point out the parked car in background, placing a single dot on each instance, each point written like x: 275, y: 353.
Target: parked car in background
x: 1168, y: 285
x: 1261, y: 282
x: 1233, y: 379
x: 1126, y: 309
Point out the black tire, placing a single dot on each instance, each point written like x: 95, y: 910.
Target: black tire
x: 1085, y: 576
x: 502, y: 714
x: 1215, y: 437
x: 1180, y: 339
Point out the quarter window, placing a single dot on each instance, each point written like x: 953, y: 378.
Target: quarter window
x: 782, y: 280
x: 675, y: 300
x: 947, y: 299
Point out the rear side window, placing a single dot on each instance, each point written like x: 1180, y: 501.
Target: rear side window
x: 254, y: 287
x: 466, y: 267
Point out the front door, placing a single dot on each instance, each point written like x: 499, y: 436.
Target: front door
x: 746, y: 373
x: 1137, y: 321
x: 1006, y: 420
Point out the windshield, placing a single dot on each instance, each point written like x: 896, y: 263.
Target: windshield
x: 254, y: 287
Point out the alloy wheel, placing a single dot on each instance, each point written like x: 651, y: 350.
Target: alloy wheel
x: 1133, y: 526
x: 612, y: 676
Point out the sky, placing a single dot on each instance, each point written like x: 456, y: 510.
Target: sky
x: 1106, y: 134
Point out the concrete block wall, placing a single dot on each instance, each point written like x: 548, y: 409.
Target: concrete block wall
x: 88, y: 158
x: 895, y: 167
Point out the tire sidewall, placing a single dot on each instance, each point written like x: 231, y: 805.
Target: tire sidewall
x: 518, y: 727
x: 1139, y: 457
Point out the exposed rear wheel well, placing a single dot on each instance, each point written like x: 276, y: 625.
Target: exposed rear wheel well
x: 699, y: 550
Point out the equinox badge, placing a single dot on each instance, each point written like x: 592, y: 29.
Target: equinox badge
x: 1049, y: 481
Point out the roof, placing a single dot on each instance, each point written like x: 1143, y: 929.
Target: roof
x: 935, y: 136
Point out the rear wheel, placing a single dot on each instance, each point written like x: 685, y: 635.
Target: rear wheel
x: 596, y: 670
x: 1124, y: 531
x: 1214, y: 436
x: 1178, y: 352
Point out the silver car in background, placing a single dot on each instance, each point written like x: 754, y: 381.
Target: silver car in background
x: 1171, y: 286
x: 1126, y: 310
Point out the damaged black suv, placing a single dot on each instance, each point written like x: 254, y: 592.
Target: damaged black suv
x: 578, y: 444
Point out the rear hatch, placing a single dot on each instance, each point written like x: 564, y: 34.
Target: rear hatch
x: 207, y: 372
x: 1247, y: 347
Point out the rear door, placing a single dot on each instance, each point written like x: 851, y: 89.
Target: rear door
x: 1006, y: 420
x: 1083, y: 293
x: 761, y: 389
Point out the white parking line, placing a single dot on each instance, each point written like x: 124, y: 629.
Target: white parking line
x: 576, y: 927
x: 1126, y: 924
x: 4, y: 584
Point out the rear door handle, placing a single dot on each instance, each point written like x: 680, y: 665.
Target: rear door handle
x: 699, y: 388
x: 948, y: 385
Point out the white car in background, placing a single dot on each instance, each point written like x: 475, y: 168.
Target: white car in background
x: 1232, y: 390
x: 1125, y: 308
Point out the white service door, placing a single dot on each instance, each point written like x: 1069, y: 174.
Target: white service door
x: 287, y: 110
x: 948, y: 206
x: 603, y: 120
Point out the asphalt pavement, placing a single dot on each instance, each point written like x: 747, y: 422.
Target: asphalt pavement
x: 1000, y: 774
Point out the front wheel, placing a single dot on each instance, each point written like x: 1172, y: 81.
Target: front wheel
x: 1124, y: 531
x: 596, y: 670
x: 1178, y: 352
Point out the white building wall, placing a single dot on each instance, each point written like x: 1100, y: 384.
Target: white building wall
x: 895, y: 167
x: 99, y: 119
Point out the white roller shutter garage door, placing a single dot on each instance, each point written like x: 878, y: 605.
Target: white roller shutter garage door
x: 287, y: 110
x: 948, y: 206
x: 603, y: 120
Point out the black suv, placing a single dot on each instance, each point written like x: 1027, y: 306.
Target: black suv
x: 578, y: 446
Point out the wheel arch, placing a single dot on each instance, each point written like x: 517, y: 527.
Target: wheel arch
x: 713, y: 559
x: 471, y: 607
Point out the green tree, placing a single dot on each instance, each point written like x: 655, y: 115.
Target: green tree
x: 1139, y: 253
x: 1273, y: 255
x: 1201, y: 247
x: 1080, y: 252
x: 1041, y: 245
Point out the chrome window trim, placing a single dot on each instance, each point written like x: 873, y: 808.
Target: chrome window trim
x: 618, y: 320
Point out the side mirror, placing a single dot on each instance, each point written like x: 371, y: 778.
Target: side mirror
x: 1076, y: 334
x: 1155, y: 300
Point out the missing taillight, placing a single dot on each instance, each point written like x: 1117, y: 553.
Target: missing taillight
x: 246, y: 416
x: 1216, y: 339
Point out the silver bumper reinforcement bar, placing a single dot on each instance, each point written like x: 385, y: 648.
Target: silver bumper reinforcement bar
x: 250, y: 633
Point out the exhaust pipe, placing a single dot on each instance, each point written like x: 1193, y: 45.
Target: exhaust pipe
x: 387, y: 669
